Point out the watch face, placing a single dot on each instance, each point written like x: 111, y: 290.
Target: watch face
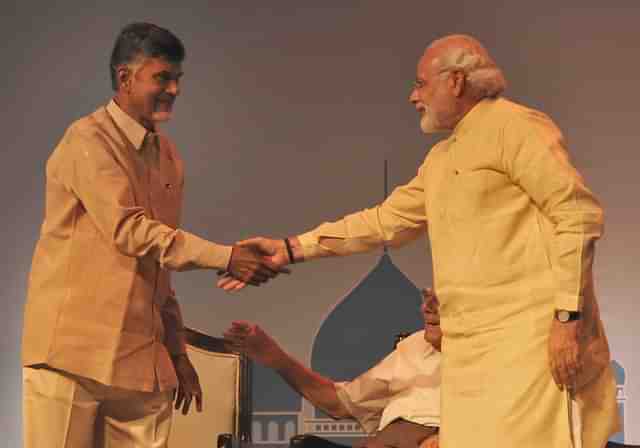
x: 563, y: 315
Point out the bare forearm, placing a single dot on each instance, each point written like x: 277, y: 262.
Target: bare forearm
x: 249, y: 338
x: 175, y: 337
x: 319, y: 390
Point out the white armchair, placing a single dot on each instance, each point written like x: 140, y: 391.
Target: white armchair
x: 225, y: 378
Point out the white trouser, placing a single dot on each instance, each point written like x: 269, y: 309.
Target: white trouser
x: 61, y: 410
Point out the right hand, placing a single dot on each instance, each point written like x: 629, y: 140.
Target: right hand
x: 248, y: 338
x: 250, y: 267
x: 272, y: 251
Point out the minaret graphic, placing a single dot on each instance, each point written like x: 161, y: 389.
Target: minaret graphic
x: 621, y: 379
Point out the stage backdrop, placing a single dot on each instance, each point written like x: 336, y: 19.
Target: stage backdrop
x: 287, y: 112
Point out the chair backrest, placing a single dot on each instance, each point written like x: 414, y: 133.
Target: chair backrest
x: 225, y: 378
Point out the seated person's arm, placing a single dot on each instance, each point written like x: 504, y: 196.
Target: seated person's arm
x: 249, y: 338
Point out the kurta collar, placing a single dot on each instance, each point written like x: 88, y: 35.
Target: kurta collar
x: 473, y: 117
x: 133, y: 130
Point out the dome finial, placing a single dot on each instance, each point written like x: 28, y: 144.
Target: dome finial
x: 386, y: 190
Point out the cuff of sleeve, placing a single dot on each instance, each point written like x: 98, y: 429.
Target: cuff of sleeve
x: 310, y: 247
x: 342, y: 394
x: 568, y: 302
x: 222, y: 255
x: 211, y: 255
x: 369, y: 425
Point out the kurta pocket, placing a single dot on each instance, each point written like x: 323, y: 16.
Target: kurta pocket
x: 467, y: 194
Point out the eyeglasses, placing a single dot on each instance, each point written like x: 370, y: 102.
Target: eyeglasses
x: 422, y: 83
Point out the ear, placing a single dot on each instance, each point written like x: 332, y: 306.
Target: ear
x: 124, y: 78
x: 457, y: 82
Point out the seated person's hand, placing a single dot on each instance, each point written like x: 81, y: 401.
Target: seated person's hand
x: 431, y: 314
x: 249, y: 338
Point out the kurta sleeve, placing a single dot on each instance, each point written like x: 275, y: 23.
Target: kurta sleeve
x: 85, y: 165
x: 535, y: 157
x: 367, y: 396
x: 399, y: 219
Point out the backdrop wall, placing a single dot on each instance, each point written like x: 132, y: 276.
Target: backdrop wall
x: 289, y: 109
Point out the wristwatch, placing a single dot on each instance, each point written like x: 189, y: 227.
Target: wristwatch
x: 567, y: 316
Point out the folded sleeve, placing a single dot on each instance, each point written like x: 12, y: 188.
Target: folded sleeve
x: 536, y: 159
x: 368, y: 395
x: 86, y: 166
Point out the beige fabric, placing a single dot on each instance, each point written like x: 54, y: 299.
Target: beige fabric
x: 100, y: 303
x: 405, y: 384
x: 66, y: 411
x: 219, y: 375
x: 512, y: 228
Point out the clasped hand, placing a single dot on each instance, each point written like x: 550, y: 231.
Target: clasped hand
x: 253, y: 262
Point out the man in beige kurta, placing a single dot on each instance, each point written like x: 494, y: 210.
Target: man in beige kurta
x: 103, y: 343
x: 512, y: 229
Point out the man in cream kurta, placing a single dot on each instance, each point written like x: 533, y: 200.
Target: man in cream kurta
x: 512, y: 230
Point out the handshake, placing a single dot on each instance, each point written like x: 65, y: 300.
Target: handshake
x: 257, y: 260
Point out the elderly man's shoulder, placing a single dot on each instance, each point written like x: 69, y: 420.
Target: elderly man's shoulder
x: 415, y: 342
x: 437, y: 152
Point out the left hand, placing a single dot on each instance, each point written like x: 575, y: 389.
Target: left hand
x: 564, y: 353
x: 188, y: 384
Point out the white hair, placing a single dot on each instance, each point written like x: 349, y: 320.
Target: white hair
x: 484, y: 78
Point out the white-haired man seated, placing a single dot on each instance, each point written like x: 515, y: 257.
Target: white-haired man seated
x: 397, y: 401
